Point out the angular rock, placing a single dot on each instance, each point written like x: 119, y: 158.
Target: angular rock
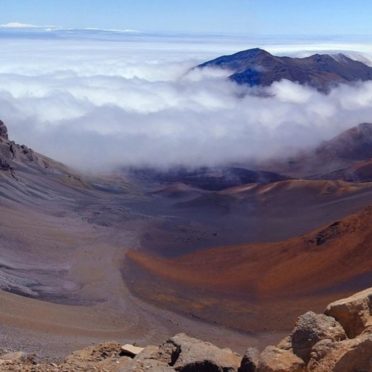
x: 358, y: 356
x: 250, y: 360
x: 312, y: 328
x: 131, y: 350
x: 273, y: 359
x: 188, y: 354
x: 353, y: 313
x: 349, y: 355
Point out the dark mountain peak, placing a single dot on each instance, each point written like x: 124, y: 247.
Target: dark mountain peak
x: 240, y: 61
x: 257, y: 67
x: 255, y: 52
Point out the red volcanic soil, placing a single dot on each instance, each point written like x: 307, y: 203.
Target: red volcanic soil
x: 247, y: 286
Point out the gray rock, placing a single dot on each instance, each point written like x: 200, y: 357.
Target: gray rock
x: 312, y: 328
x: 188, y: 354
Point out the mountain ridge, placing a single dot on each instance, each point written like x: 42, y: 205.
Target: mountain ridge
x: 257, y: 67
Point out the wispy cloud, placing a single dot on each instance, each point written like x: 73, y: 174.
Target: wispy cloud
x: 31, y: 27
x: 19, y: 25
x: 119, y: 30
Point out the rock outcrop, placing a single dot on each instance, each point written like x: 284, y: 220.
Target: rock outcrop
x: 312, y: 328
x: 354, y: 313
x: 14, y: 157
x: 318, y: 343
x: 3, y: 131
x: 10, y: 152
x: 190, y: 354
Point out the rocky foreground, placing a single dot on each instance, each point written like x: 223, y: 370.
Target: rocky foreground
x: 338, y: 340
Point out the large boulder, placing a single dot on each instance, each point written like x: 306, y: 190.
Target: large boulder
x: 310, y: 329
x: 273, y: 359
x: 357, y: 355
x: 354, y: 312
x: 348, y: 355
x: 188, y: 354
x: 3, y: 131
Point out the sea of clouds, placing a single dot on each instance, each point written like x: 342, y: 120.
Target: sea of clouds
x: 101, y: 102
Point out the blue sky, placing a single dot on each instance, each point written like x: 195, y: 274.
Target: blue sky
x: 270, y: 17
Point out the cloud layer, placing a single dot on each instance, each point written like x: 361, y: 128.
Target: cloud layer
x: 97, y: 105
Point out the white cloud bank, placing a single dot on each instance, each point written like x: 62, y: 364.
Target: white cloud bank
x: 95, y: 104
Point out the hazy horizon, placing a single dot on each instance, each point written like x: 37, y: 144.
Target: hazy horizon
x: 251, y: 17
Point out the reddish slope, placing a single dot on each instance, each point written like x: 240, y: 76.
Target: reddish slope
x: 322, y: 265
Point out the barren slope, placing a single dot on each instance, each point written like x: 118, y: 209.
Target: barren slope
x: 258, y: 279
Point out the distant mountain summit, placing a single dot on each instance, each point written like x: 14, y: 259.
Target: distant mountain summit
x: 257, y: 67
